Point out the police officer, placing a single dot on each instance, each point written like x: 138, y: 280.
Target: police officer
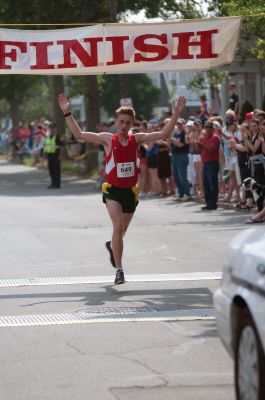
x: 53, y: 150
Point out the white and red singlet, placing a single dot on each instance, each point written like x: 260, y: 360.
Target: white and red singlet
x: 122, y: 163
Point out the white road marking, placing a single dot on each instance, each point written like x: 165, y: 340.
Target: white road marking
x: 189, y: 276
x: 91, y: 318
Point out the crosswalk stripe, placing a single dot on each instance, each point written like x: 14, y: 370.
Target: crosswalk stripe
x: 189, y: 276
x: 90, y: 317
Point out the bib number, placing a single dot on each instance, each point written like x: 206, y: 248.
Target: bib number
x: 125, y: 170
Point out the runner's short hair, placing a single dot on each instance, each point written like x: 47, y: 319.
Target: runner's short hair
x: 125, y: 110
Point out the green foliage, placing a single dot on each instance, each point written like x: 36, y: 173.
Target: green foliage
x: 21, y: 91
x: 213, y: 77
x: 38, y: 103
x: 142, y: 91
x: 246, y: 107
x: 168, y: 9
x: 197, y: 83
x: 3, y: 109
x: 253, y: 24
x: 56, y: 11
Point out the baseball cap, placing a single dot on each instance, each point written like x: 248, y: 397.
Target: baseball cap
x: 153, y: 121
x: 216, y: 124
x: 249, y: 115
x: 197, y: 122
x: 181, y: 121
x: 190, y: 123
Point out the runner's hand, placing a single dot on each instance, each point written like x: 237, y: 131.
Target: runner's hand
x: 64, y: 103
x: 178, y: 106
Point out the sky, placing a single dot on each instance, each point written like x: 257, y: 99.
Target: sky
x: 140, y: 17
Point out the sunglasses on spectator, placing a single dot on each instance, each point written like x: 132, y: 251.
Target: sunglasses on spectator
x: 208, y: 126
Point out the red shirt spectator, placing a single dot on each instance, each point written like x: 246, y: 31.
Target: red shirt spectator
x: 24, y: 132
x: 209, y: 144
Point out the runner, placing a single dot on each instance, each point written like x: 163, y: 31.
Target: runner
x: 120, y: 193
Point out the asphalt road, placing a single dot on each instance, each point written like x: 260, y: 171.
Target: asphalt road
x: 66, y: 332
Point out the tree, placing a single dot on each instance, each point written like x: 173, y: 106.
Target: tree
x: 251, y: 40
x: 142, y: 91
x: 15, y: 89
x: 252, y: 35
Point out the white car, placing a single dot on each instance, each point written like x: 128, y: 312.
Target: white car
x: 240, y: 311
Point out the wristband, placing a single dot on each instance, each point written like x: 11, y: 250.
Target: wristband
x: 67, y: 114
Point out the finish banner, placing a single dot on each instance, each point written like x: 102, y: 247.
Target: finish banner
x: 197, y: 44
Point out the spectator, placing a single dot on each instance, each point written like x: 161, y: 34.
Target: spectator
x: 232, y: 132
x: 37, y: 150
x: 54, y: 151
x: 257, y: 154
x: 164, y: 169
x: 197, y: 162
x: 152, y: 160
x: 243, y: 158
x: 152, y: 163
x: 209, y: 144
x: 180, y: 160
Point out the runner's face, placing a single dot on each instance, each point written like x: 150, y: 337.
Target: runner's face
x: 123, y: 124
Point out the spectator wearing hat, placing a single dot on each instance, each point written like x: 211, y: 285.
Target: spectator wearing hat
x: 180, y: 160
x: 53, y: 149
x: 208, y: 145
x: 248, y: 117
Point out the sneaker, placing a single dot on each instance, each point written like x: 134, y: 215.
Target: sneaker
x: 119, y: 278
x: 108, y: 247
x: 205, y: 208
x: 185, y: 198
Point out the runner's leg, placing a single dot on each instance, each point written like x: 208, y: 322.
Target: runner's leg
x: 116, y: 216
x: 127, y: 219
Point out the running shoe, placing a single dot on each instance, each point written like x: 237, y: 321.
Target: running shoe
x: 108, y: 247
x: 119, y: 278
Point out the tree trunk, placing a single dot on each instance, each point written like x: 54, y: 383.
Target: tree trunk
x: 123, y: 79
x: 57, y: 88
x: 124, y: 86
x: 92, y: 111
x: 14, y: 106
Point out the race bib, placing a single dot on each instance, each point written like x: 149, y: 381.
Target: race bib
x: 125, y: 170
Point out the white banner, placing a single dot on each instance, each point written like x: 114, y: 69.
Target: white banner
x: 198, y: 44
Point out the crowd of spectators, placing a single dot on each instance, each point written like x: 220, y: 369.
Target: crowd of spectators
x: 206, y: 159
x: 26, y: 140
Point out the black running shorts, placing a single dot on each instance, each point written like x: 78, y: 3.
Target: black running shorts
x: 126, y: 197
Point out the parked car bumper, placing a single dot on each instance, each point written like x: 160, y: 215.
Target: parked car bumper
x: 222, y: 305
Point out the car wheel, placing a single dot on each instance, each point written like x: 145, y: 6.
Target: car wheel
x: 249, y: 362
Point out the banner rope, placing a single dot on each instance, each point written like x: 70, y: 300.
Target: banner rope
x: 129, y: 23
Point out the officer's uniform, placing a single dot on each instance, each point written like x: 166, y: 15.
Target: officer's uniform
x: 52, y: 147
